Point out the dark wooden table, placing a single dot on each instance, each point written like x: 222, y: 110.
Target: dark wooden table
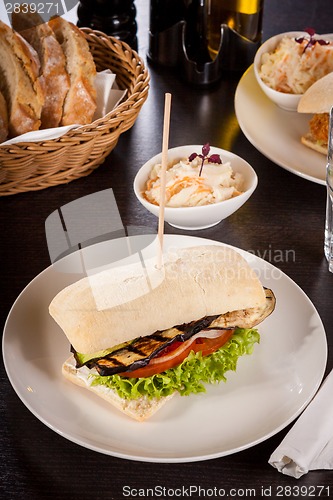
x: 285, y: 213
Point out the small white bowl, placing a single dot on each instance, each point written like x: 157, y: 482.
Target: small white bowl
x: 201, y: 217
x: 285, y: 101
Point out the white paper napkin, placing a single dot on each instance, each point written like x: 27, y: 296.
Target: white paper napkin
x: 108, y: 96
x: 309, y: 444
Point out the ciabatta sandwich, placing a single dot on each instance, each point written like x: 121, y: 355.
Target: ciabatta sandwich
x: 317, y: 100
x: 188, y: 330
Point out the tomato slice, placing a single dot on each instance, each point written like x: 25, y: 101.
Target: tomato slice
x: 169, y: 358
x: 208, y: 346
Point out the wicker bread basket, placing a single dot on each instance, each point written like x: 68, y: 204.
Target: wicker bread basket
x: 30, y: 166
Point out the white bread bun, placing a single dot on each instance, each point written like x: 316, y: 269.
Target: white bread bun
x: 317, y: 100
x: 198, y: 281
x: 3, y: 119
x: 311, y: 143
x: 53, y: 72
x: 19, y: 82
x: 80, y: 102
x: 140, y: 409
x: 319, y: 97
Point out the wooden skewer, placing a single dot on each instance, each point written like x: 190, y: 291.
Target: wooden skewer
x: 165, y: 143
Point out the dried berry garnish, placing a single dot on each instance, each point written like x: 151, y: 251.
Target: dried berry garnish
x: 215, y: 158
x: 311, y: 42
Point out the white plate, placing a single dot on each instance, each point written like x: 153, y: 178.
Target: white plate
x: 270, y: 388
x: 275, y: 132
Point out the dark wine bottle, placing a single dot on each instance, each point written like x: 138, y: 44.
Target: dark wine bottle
x: 195, y: 33
x: 114, y: 17
x: 165, y: 13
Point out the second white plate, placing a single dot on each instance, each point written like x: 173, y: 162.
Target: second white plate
x: 275, y: 132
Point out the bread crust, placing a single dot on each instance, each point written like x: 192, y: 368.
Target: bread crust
x: 317, y: 100
x: 311, y: 143
x: 139, y: 409
x: 3, y: 119
x: 19, y: 82
x: 319, y: 97
x: 53, y: 74
x: 198, y: 281
x: 80, y: 102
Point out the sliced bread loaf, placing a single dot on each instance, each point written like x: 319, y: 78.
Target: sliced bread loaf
x: 3, y: 119
x: 80, y: 101
x: 19, y: 82
x: 53, y: 72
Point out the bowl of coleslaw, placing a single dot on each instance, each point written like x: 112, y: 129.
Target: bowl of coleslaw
x: 287, y: 64
x: 201, y: 191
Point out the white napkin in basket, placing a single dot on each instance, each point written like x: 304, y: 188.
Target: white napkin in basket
x: 309, y: 444
x: 108, y: 94
x: 108, y: 97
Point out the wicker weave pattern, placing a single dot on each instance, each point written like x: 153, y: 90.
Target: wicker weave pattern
x: 28, y: 166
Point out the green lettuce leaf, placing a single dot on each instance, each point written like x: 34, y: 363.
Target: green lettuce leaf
x: 188, y: 377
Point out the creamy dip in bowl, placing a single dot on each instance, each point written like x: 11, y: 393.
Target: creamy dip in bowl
x: 287, y: 64
x: 196, y: 201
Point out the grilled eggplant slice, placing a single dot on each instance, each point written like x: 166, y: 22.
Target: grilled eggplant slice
x: 139, y: 352
x: 247, y: 318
